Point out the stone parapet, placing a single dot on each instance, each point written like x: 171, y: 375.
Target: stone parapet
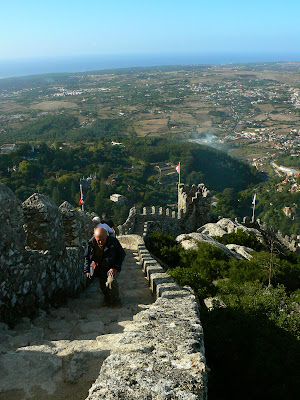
x: 48, y: 266
x: 193, y: 212
x: 161, y: 355
x: 43, y: 224
x: 12, y: 235
x: 286, y: 242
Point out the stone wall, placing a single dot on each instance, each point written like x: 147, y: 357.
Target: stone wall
x: 41, y: 253
x: 161, y: 355
x: 193, y: 212
x: 286, y: 242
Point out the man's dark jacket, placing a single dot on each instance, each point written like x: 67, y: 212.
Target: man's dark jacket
x: 114, y: 254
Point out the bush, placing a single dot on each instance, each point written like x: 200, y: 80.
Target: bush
x: 165, y: 248
x: 251, y: 345
x: 196, y: 277
x: 241, y: 238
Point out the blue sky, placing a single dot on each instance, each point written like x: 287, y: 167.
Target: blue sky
x: 38, y: 28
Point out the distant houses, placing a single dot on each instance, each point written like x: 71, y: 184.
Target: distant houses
x: 118, y: 198
x: 8, y: 148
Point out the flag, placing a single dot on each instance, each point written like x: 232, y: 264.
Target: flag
x: 177, y: 167
x: 81, y: 201
x: 254, y: 199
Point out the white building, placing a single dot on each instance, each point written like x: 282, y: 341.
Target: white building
x: 7, y: 148
x: 118, y: 198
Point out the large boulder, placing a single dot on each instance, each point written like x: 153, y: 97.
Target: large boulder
x: 190, y: 241
x: 242, y: 250
x: 225, y: 226
x: 213, y: 303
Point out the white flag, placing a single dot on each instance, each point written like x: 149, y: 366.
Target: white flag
x: 254, y: 199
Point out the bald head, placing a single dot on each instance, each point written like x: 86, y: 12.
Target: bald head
x: 100, y: 236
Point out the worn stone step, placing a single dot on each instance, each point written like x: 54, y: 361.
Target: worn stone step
x: 58, y: 355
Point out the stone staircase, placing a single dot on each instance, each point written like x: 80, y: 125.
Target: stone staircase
x: 59, y: 354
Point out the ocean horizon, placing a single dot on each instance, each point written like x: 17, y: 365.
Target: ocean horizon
x: 46, y: 65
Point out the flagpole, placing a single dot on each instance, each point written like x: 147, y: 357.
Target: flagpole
x: 253, y: 213
x: 178, y: 205
x: 81, y: 196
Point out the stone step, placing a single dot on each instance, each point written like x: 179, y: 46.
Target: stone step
x: 59, y: 354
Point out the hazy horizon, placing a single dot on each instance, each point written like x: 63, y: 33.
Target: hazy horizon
x: 83, y: 63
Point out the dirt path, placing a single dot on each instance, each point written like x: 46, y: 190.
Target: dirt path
x: 59, y: 355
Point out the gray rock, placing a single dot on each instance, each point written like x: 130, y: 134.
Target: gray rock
x: 242, y: 250
x: 12, y: 235
x: 92, y: 326
x: 225, y: 226
x: 213, y: 303
x: 190, y: 242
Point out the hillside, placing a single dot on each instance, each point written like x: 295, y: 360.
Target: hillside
x: 131, y: 168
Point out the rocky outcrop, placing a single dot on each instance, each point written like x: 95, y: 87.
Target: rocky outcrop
x: 213, y: 303
x: 190, y: 242
x: 225, y: 226
x: 242, y: 250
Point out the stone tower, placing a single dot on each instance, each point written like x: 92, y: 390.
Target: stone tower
x: 193, y: 206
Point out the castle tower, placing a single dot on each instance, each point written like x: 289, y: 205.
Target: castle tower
x: 193, y: 206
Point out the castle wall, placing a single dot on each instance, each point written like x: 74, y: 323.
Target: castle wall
x: 161, y: 355
x: 193, y: 212
x: 36, y: 266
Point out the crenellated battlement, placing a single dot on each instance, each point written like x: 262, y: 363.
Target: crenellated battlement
x: 288, y: 242
x: 193, y: 211
x: 41, y: 252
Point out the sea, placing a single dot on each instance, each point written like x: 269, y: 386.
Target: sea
x: 44, y: 65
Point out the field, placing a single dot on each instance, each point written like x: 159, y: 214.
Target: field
x: 180, y: 102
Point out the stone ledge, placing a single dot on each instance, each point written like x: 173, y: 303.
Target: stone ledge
x: 159, y: 356
x: 153, y: 269
x: 158, y: 278
x: 148, y: 263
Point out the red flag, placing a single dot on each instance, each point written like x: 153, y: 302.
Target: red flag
x: 81, y: 201
x: 177, y: 167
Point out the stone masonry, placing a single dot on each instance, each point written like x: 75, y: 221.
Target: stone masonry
x: 161, y: 353
x: 193, y: 212
x: 36, y: 266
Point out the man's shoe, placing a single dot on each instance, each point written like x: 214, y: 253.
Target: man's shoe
x: 115, y: 306
x: 104, y: 303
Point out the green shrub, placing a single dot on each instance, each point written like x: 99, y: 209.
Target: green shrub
x: 196, y: 277
x: 241, y: 238
x: 251, y: 345
x: 165, y: 248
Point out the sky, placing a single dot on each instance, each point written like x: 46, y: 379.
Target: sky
x: 51, y: 28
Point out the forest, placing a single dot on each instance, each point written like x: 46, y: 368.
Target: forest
x: 270, y: 203
x: 127, y: 168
